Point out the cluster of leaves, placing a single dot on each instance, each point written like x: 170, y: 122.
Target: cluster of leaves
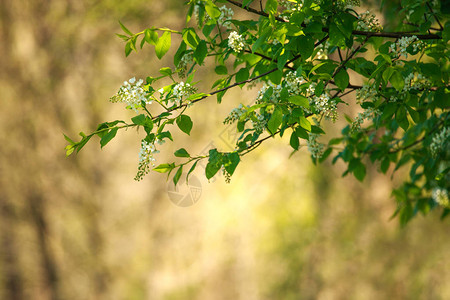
x: 301, y: 51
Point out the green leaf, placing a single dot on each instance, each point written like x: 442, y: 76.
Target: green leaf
x: 184, y: 123
x: 108, y: 137
x: 397, y: 80
x: 164, y: 168
x: 294, y: 142
x: 191, y: 170
x: 304, y: 123
x: 163, y: 44
x: 190, y: 37
x: 177, y: 176
x: 387, y: 74
x: 125, y: 29
x: 233, y: 160
x: 212, y: 10
x: 275, y: 120
x: 200, y: 52
x: 221, y: 70
x: 359, y: 171
x: 385, y: 164
x: 181, y: 153
x: 246, y: 3
x: 151, y: 37
x: 299, y: 100
x: 165, y: 71
x: 402, y: 118
x: 214, y: 163
x: 341, y: 79
x: 143, y: 120
x: 242, y: 75
x: 271, y: 6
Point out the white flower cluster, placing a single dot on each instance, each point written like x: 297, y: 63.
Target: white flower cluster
x: 368, y: 22
x: 415, y: 82
x: 440, y: 196
x: 293, y: 83
x: 368, y: 114
x: 185, y: 61
x: 311, y: 89
x: 146, y: 159
x: 182, y: 90
x: 324, y: 105
x: 439, y: 141
x: 367, y: 91
x: 259, y: 125
x: 236, y: 42
x: 226, y: 14
x: 132, y: 93
x: 348, y: 3
x: 399, y: 48
x: 235, y: 114
x: 314, y: 147
x: 275, y: 94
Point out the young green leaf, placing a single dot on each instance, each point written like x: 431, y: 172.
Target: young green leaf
x: 181, y: 153
x: 185, y: 124
x: 163, y: 45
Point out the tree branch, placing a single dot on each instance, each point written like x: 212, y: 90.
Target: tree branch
x: 355, y: 32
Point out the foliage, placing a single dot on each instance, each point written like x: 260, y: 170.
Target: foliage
x: 301, y: 53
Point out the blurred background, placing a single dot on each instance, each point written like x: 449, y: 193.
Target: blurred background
x: 82, y: 228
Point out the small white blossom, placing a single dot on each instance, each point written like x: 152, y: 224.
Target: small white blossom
x: 368, y: 114
x: 260, y: 124
x: 439, y: 141
x: 415, y: 82
x: 399, y: 48
x: 367, y: 91
x: 132, y: 93
x: 182, y: 90
x: 186, y: 60
x: 440, y: 196
x: 235, y: 114
x: 146, y: 159
x: 236, y: 42
x: 314, y: 147
x: 324, y: 105
x: 293, y: 82
x: 368, y: 22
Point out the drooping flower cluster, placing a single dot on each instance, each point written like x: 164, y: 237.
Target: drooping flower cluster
x: 368, y: 22
x: 182, y: 90
x: 439, y: 141
x: 325, y: 105
x: 440, y: 196
x: 146, y: 159
x: 226, y: 14
x: 399, y: 48
x: 185, y: 61
x: 368, y: 114
x: 260, y: 124
x: 236, y: 42
x: 293, y: 83
x: 367, y: 91
x: 132, y: 93
x: 314, y: 147
x: 235, y: 114
x: 415, y: 82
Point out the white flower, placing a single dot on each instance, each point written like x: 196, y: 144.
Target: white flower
x: 236, y: 42
x: 185, y: 61
x: 324, y: 105
x: 293, y: 82
x: 146, y: 159
x: 132, y: 93
x: 314, y: 147
x: 440, y: 196
x: 368, y: 22
x: 182, y: 90
x: 367, y: 91
x: 439, y: 140
x: 399, y: 48
x: 369, y: 113
x: 235, y: 114
x: 415, y: 82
